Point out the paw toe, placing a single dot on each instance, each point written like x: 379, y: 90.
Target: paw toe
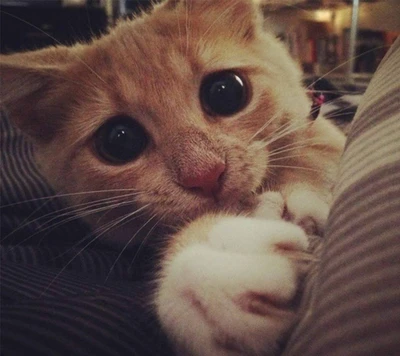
x: 310, y: 226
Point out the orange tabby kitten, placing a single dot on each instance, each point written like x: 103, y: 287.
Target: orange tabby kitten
x: 202, y: 116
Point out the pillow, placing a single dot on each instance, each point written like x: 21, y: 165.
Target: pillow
x: 352, y: 301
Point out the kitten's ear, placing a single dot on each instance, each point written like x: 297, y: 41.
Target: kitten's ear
x: 31, y: 87
x: 242, y: 17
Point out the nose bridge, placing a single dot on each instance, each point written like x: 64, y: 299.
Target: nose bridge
x: 192, y: 147
x: 195, y: 158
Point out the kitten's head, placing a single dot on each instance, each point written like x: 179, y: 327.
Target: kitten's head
x: 177, y: 106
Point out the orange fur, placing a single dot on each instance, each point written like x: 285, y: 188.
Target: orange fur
x: 151, y: 68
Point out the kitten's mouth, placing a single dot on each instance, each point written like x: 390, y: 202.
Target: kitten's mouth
x: 227, y: 204
x: 233, y: 203
x: 233, y: 200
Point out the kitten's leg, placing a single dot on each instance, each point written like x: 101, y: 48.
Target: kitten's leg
x: 228, y: 284
x: 306, y: 207
x: 302, y: 205
x: 271, y: 206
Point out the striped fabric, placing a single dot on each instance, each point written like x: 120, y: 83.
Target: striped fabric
x: 48, y: 309
x: 352, y: 303
x: 73, y: 302
x: 28, y: 208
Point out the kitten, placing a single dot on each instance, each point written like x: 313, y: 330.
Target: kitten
x: 191, y: 117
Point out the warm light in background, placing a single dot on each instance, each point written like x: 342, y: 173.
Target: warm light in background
x: 74, y: 2
x: 278, y: 3
x: 323, y: 15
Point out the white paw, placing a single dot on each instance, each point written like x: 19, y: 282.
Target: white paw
x: 301, y: 206
x: 231, y: 293
x: 307, y: 209
x: 271, y: 206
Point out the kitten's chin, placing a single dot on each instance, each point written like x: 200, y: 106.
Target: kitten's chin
x: 132, y: 231
x: 229, y: 204
x: 238, y: 206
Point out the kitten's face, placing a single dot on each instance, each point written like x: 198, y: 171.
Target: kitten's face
x: 153, y: 80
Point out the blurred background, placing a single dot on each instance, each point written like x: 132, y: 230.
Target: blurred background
x: 345, y: 38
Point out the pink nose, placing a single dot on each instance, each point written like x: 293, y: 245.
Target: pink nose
x: 208, y: 181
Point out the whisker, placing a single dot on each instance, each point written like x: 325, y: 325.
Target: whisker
x: 345, y: 63
x: 289, y: 129
x: 102, y: 230
x: 215, y: 22
x: 284, y: 158
x: 179, y: 28
x: 64, y: 212
x: 293, y: 146
x: 263, y: 127
x: 51, y: 227
x: 294, y: 167
x: 332, y: 101
x: 145, y: 240
x: 77, y: 254
x: 298, y: 7
x: 58, y: 42
x: 281, y: 128
x: 341, y: 114
x: 340, y: 110
x: 58, y: 195
x: 84, y: 212
x: 129, y: 242
x: 187, y: 25
x: 340, y: 92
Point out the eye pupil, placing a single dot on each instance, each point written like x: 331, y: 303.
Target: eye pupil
x: 120, y: 140
x: 223, y: 93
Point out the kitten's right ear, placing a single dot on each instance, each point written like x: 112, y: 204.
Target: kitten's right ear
x: 31, y: 86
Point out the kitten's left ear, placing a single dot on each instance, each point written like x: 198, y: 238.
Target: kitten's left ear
x: 32, y: 86
x: 241, y: 17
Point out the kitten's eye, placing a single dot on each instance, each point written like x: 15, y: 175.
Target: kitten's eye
x: 223, y: 93
x: 120, y: 140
